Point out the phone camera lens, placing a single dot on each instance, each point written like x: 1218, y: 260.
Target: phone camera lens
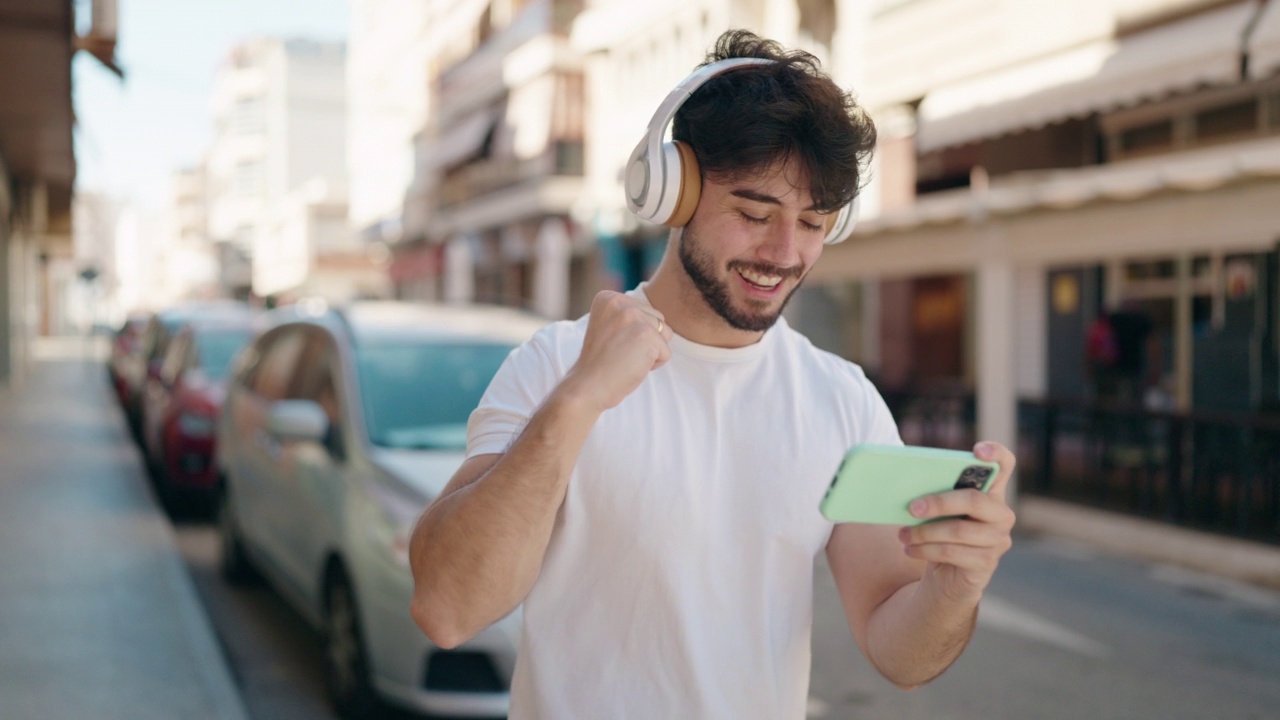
x: 972, y: 477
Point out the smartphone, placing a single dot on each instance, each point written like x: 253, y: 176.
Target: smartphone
x: 876, y: 483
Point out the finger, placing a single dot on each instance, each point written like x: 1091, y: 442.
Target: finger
x: 975, y: 504
x: 965, y: 557
x: 665, y: 330
x: 656, y: 320
x: 992, y: 451
x: 664, y: 354
x: 959, y: 532
x: 602, y: 300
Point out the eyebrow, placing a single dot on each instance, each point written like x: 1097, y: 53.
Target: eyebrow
x: 754, y: 196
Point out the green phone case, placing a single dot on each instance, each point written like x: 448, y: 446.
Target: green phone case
x: 876, y: 483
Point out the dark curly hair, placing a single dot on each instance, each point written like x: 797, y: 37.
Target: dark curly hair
x: 745, y: 120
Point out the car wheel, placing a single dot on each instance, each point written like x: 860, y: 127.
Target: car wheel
x: 236, y: 567
x: 345, y: 659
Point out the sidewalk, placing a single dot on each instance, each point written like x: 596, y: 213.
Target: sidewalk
x: 1141, y: 539
x: 98, y: 616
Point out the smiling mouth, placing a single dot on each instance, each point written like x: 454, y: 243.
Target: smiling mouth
x: 760, y: 280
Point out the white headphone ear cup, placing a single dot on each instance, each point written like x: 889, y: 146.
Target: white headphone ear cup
x: 846, y: 221
x: 637, y: 184
x: 666, y: 178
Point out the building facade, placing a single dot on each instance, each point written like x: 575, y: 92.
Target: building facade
x: 392, y: 47
x: 1043, y: 165
x: 279, y: 122
x: 37, y: 163
x: 499, y: 168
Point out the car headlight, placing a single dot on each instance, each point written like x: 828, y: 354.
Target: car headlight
x: 196, y: 426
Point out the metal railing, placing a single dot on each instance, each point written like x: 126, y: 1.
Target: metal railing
x: 1210, y: 471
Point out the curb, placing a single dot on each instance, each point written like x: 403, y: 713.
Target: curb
x: 202, y: 638
x: 1120, y: 534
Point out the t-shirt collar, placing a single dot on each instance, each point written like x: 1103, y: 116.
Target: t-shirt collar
x: 689, y: 348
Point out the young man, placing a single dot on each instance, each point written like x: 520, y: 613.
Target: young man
x: 646, y: 480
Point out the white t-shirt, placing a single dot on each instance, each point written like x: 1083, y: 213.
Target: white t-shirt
x: 678, y: 582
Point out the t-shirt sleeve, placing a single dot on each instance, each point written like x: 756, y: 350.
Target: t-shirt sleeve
x: 523, y: 381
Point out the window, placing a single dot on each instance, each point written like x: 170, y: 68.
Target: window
x: 270, y: 378
x: 419, y: 394
x: 248, y: 117
x: 1235, y: 119
x: 175, y: 359
x: 314, y: 380
x: 1154, y: 136
x: 248, y: 179
x: 1152, y: 269
x: 215, y: 349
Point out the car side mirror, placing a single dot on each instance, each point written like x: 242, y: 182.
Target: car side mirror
x: 297, y: 420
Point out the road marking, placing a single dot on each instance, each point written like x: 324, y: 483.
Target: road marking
x: 1003, y: 616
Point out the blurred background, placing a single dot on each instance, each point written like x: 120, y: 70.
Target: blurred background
x: 1070, y: 243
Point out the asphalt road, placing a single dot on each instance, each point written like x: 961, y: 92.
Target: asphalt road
x: 1064, y: 634
x: 275, y: 657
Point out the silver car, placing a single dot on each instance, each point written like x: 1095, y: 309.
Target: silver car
x: 338, y: 428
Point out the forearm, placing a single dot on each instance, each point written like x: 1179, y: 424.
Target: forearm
x: 916, y: 634
x: 477, y: 550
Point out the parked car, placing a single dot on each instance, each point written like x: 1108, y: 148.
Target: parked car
x: 339, y: 427
x: 180, y: 406
x: 155, y: 340
x: 126, y: 348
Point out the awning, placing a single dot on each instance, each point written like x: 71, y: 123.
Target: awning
x: 1188, y: 172
x: 36, y: 115
x: 1264, y: 47
x: 1221, y: 198
x: 464, y: 139
x: 1100, y: 75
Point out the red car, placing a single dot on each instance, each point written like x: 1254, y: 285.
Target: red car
x: 181, y: 402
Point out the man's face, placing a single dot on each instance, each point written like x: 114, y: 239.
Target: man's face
x: 750, y: 244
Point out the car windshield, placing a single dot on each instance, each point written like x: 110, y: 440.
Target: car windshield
x: 217, y: 348
x: 419, y: 394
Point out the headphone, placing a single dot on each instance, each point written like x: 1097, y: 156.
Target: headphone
x: 663, y: 181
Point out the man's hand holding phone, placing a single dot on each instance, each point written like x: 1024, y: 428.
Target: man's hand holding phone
x: 963, y: 549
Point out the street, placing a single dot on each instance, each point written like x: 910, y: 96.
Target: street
x: 1065, y: 633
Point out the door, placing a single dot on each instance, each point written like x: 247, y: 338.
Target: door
x: 158, y: 395
x: 312, y: 473
x: 256, y: 456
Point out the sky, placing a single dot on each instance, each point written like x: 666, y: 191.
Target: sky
x: 132, y: 135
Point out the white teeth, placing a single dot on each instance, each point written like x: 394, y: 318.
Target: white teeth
x: 764, y: 281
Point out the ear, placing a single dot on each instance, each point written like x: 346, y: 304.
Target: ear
x: 690, y: 186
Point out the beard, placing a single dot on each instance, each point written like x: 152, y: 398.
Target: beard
x: 755, y: 315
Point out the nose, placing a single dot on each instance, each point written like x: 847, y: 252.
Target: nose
x: 781, y: 246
